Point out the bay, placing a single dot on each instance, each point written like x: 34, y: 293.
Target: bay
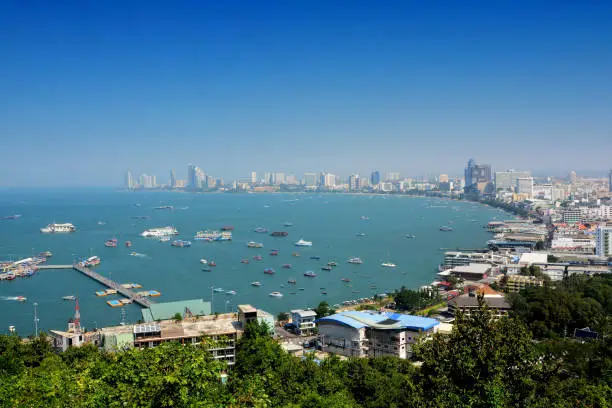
x: 330, y: 221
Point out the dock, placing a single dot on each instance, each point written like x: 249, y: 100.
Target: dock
x: 127, y: 293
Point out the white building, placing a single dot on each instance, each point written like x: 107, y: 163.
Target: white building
x: 310, y: 179
x: 506, y: 180
x: 604, y: 240
x: 253, y: 177
x: 328, y: 180
x: 304, y: 321
x: 372, y: 334
x: 524, y: 185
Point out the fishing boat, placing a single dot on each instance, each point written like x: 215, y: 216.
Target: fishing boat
x: 326, y: 268
x: 257, y: 258
x: 218, y: 290
x: 253, y: 244
x: 260, y: 230
x: 128, y: 244
x: 287, y: 266
x: 91, y: 261
x: 388, y: 265
x: 244, y: 261
x: 256, y: 283
x: 180, y: 243
x: 310, y: 274
x: 355, y: 261
x: 203, y: 261
x: 276, y: 294
x: 446, y: 228
x: 71, y: 297
x: 111, y: 243
x: 230, y: 292
x: 269, y: 271
x: 279, y: 234
x: 303, y: 243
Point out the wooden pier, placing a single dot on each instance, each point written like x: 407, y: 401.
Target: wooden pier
x: 142, y: 301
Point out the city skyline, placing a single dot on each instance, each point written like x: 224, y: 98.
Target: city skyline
x: 405, y: 87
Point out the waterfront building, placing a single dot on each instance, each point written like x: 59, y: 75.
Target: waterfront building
x: 267, y: 178
x: 210, y: 182
x: 172, y: 179
x: 278, y: 178
x: 247, y: 313
x: 477, y: 176
x: 147, y: 181
x: 610, y: 181
x: 167, y: 310
x: 506, y: 180
x: 291, y: 179
x: 304, y: 321
x: 455, y: 258
x: 328, y: 180
x: 524, y: 185
x: 129, y: 181
x: 353, y: 182
x: 604, y: 240
x: 73, y: 336
x: 375, y: 178
x: 310, y: 179
x: 386, y: 187
x: 373, y: 334
x: 468, y: 303
x: 191, y: 177
x: 253, y: 177
x: 472, y: 271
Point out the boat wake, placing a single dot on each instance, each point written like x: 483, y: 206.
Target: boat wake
x: 139, y: 255
x: 14, y: 298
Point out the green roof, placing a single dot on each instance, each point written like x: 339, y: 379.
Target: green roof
x: 167, y: 310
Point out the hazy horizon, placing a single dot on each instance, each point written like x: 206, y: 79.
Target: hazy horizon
x: 91, y: 90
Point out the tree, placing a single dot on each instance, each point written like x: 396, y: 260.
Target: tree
x: 177, y: 317
x: 324, y: 310
x: 282, y: 317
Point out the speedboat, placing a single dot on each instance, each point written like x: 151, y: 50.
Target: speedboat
x: 261, y: 230
x: 301, y: 242
x: 287, y: 266
x: 292, y: 281
x: 355, y: 261
x: 71, y: 297
x: 128, y: 244
x: 410, y: 236
x: 296, y: 254
x: 273, y: 253
x: 310, y: 274
x: 269, y: 271
x: 21, y: 298
x: 255, y: 283
x: 203, y: 261
x: 446, y: 228
x: 244, y: 261
x: 276, y: 294
x: 253, y: 244
x: 332, y: 264
x: 345, y: 280
x: 218, y: 290
x: 206, y: 269
x: 230, y: 292
x: 388, y: 265
x: 361, y: 234
x: 326, y: 268
x: 288, y: 224
x: 364, y: 217
x: 164, y: 239
x: 46, y: 254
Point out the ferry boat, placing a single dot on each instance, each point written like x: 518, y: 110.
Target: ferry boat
x: 303, y: 243
x: 279, y: 234
x: 71, y: 297
x: 446, y: 228
x: 230, y: 292
x: 388, y: 265
x: 181, y: 243
x: 355, y: 261
x: 326, y: 268
x: 111, y: 243
x: 260, y: 230
x: 58, y: 228
x: 244, y: 261
x: 128, y: 244
x: 276, y: 294
x: 256, y: 283
x: 213, y: 235
x: 310, y: 274
x: 287, y: 266
x: 159, y: 232
x: 227, y: 228
x: 91, y: 261
x: 253, y: 244
x: 257, y: 258
x: 269, y: 271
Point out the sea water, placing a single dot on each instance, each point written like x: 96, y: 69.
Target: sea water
x: 331, y: 221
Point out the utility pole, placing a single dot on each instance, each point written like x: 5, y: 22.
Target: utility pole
x: 35, y: 319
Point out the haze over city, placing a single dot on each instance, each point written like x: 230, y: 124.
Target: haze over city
x: 92, y: 89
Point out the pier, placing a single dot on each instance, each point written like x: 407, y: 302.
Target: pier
x: 142, y: 301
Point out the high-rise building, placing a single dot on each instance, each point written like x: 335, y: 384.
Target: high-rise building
x: 375, y: 178
x: 267, y: 178
x: 199, y: 179
x: 524, y: 185
x: 475, y: 175
x: 253, y: 177
x: 603, y: 246
x: 443, y: 178
x: 129, y: 182
x: 147, y: 181
x: 210, y: 181
x: 572, y: 177
x: 393, y: 176
x: 353, y: 182
x: 610, y: 181
x: 172, y: 179
x: 278, y: 178
x: 290, y: 179
x: 328, y: 180
x: 310, y: 179
x: 506, y: 180
x: 192, y: 183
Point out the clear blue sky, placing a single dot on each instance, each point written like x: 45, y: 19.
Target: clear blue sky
x: 89, y: 89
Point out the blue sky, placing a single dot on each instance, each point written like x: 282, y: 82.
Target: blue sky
x: 89, y: 89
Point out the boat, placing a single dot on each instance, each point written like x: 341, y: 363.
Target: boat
x: 46, y: 254
x: 410, y: 236
x: 71, y: 297
x: 253, y: 244
x: 316, y: 258
x: 101, y: 222
x: 279, y: 234
x: 273, y: 253
x: 345, y: 280
x: 159, y: 232
x: 324, y: 292
x: 364, y: 217
x: 213, y: 235
x: 288, y: 224
x: 181, y: 243
x: 218, y: 290
x: 355, y: 261
x: 58, y: 228
x: 446, y: 228
x: 361, y: 234
x: 111, y: 243
x: 388, y: 265
x: 227, y: 228
x: 292, y: 281
x: 301, y: 289
x: 303, y: 243
x: 269, y: 271
x: 21, y: 298
x: 206, y: 269
x: 327, y: 268
x: 139, y: 217
x: 11, y: 217
x: 128, y: 244
x: 257, y: 258
x: 260, y: 230
x: 164, y: 207
x: 91, y: 261
x: 310, y: 274
x: 212, y: 263
x: 256, y: 283
x: 230, y: 292
x: 137, y: 254
x: 164, y: 239
x: 296, y: 254
x: 287, y: 266
x: 203, y: 261
x: 332, y: 264
x: 244, y: 261
x: 276, y: 294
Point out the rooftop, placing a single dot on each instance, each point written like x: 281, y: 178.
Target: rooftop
x: 167, y: 310
x: 472, y: 268
x: 494, y: 301
x: 529, y: 258
x: 246, y: 309
x: 382, y: 320
x: 304, y: 313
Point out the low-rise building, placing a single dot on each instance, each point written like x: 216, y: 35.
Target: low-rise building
x: 468, y: 303
x: 471, y: 272
x: 515, y: 283
x: 304, y: 321
x: 372, y: 334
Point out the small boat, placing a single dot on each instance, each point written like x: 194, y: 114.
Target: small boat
x: 165, y: 207
x: 361, y: 234
x: 276, y: 294
x: 316, y: 258
x: 310, y: 274
x: 355, y: 261
x: 388, y: 265
x: 345, y: 280
x: 269, y: 271
x: 71, y: 297
x: 137, y: 254
x: 446, y: 228
x: 279, y: 234
x: 324, y: 293
x: 101, y: 222
x: 203, y: 261
x: 273, y: 253
x: 303, y: 243
x: 292, y: 281
x: 256, y: 283
x: 288, y: 224
x: 253, y: 244
x: 257, y: 258
x: 21, y: 298
x: 301, y: 289
x: 181, y: 243
x: 244, y: 261
x: 287, y: 266
x: 206, y: 269
x: 91, y: 261
x: 230, y: 292
x: 218, y: 290
x: 296, y: 254
x: 212, y: 263
x: 260, y: 230
x: 364, y: 217
x: 128, y: 244
x: 46, y: 254
x: 164, y: 239
x: 410, y: 236
x: 327, y: 268
x: 227, y: 228
x: 332, y: 264
x: 111, y: 243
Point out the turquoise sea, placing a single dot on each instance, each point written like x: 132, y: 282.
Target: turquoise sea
x: 330, y: 221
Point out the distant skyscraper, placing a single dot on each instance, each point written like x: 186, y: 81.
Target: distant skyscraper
x: 267, y: 178
x: 278, y: 178
x: 506, y: 180
x: 328, y: 180
x: 353, y: 182
x: 524, y: 185
x: 610, y: 181
x: 129, y: 182
x: 393, y: 176
x: 476, y: 175
x: 310, y: 179
x: 199, y: 179
x: 443, y: 178
x: 253, y: 177
x: 375, y: 178
x: 572, y: 177
x: 172, y: 179
x: 191, y: 177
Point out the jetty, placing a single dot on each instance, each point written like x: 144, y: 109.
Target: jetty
x: 134, y: 297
